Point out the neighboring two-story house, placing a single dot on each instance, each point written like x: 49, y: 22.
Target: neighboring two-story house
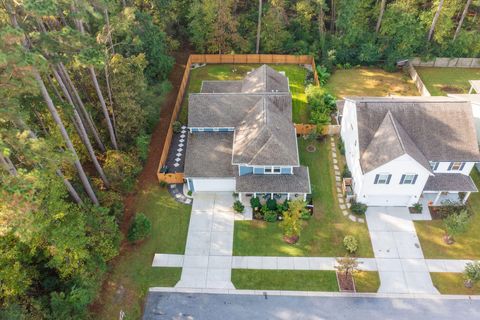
x: 403, y: 150
x: 242, y: 139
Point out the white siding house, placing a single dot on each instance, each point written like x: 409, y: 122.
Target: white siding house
x: 401, y: 151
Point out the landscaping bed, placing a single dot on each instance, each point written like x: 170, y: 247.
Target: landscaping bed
x: 323, y: 234
x: 296, y: 76
x: 133, y: 273
x: 452, y: 283
x: 370, y: 81
x: 466, y: 245
x: 441, y: 81
x: 300, y: 280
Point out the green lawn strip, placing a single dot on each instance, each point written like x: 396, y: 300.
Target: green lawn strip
x: 370, y: 81
x: 299, y: 280
x: 323, y: 234
x: 466, y: 246
x: 133, y: 273
x: 296, y: 77
x: 440, y: 81
x: 452, y: 283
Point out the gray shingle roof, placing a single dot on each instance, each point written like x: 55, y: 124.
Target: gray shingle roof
x: 264, y: 79
x: 298, y: 182
x: 439, y: 128
x: 450, y: 182
x: 209, y: 155
x: 221, y: 86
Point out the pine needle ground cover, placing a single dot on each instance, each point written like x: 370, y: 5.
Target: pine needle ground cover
x: 296, y: 77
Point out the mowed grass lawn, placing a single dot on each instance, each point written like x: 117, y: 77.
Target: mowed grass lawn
x: 452, y: 283
x: 300, y: 280
x: 466, y: 246
x: 323, y: 234
x: 440, y: 81
x: 369, y: 81
x: 295, y: 73
x: 133, y: 273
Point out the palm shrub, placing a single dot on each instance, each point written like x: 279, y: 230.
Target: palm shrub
x: 471, y: 273
x: 140, y: 228
x: 238, y: 206
x: 350, y: 244
x: 455, y: 224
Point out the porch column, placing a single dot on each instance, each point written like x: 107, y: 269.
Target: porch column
x: 466, y: 197
x: 288, y: 196
x: 304, y: 197
x: 240, y: 197
x: 437, y: 197
x: 254, y: 194
x: 271, y: 195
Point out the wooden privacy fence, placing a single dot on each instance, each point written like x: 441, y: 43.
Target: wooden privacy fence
x: 326, y: 130
x: 219, y: 59
x: 441, y: 62
x: 421, y: 87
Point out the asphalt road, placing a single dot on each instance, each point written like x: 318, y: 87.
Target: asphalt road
x: 183, y: 306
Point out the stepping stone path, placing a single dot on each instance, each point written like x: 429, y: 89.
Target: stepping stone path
x: 344, y: 207
x: 176, y: 191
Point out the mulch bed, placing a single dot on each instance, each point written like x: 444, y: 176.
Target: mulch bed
x: 311, y: 148
x: 346, y: 283
x: 435, y: 213
x: 451, y: 89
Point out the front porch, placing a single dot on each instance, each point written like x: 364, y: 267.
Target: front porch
x: 447, y: 187
x: 437, y: 198
x: 245, y: 197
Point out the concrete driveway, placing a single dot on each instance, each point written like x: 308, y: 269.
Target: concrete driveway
x: 400, y: 261
x: 207, y: 262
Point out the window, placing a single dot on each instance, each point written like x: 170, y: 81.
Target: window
x: 456, y: 166
x: 382, y: 178
x: 268, y: 170
x: 408, y: 179
x: 276, y: 170
x: 272, y: 170
x: 434, y: 165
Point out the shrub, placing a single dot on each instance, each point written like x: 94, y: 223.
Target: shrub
x: 346, y: 172
x: 418, y: 207
x: 270, y: 215
x: 323, y: 75
x: 350, y: 244
x: 238, y: 206
x: 114, y: 202
x: 283, y: 206
x: 189, y: 193
x: 449, y: 207
x: 255, y: 203
x: 177, y: 127
x: 272, y: 204
x: 358, y: 208
x: 305, y: 215
x: 471, y: 273
x: 341, y: 147
x: 163, y: 184
x: 122, y: 169
x: 140, y: 228
x: 142, y: 142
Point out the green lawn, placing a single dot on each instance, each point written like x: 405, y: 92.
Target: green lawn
x: 466, y: 246
x: 322, y: 235
x: 452, y: 283
x: 440, y: 81
x: 299, y: 280
x: 369, y: 81
x: 296, y: 77
x: 133, y: 273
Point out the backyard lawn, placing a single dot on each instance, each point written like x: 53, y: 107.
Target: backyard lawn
x: 440, y: 81
x: 133, y: 274
x: 370, y: 82
x: 299, y: 280
x: 322, y: 235
x: 466, y: 246
x: 295, y: 73
x: 452, y: 283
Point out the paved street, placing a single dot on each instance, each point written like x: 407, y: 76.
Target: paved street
x: 183, y: 306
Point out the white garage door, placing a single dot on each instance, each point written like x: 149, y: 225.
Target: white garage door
x: 226, y: 184
x: 388, y: 200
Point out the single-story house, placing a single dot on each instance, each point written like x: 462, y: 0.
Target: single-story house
x: 241, y: 138
x: 404, y: 150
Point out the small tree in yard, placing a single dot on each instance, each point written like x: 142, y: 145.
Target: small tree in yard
x: 346, y: 267
x: 238, y: 206
x: 292, y: 223
x: 350, y: 244
x: 140, y: 228
x: 455, y: 224
x: 471, y: 273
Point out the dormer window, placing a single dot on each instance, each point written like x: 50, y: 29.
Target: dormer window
x: 434, y: 165
x: 272, y: 170
x: 456, y: 166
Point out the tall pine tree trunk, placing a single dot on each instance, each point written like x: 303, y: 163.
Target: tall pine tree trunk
x: 380, y: 16
x: 7, y: 164
x: 435, y: 19
x: 81, y: 129
x: 464, y: 14
x: 259, y: 26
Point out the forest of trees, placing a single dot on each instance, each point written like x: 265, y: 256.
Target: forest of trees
x: 80, y: 90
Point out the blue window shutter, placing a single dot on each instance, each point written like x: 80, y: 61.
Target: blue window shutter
x: 402, y: 179
x: 450, y: 166
x: 388, y: 179
x: 376, y: 179
x: 463, y: 165
x: 415, y: 179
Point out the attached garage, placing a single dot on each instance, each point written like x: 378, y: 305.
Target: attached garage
x: 388, y: 200
x: 211, y: 184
